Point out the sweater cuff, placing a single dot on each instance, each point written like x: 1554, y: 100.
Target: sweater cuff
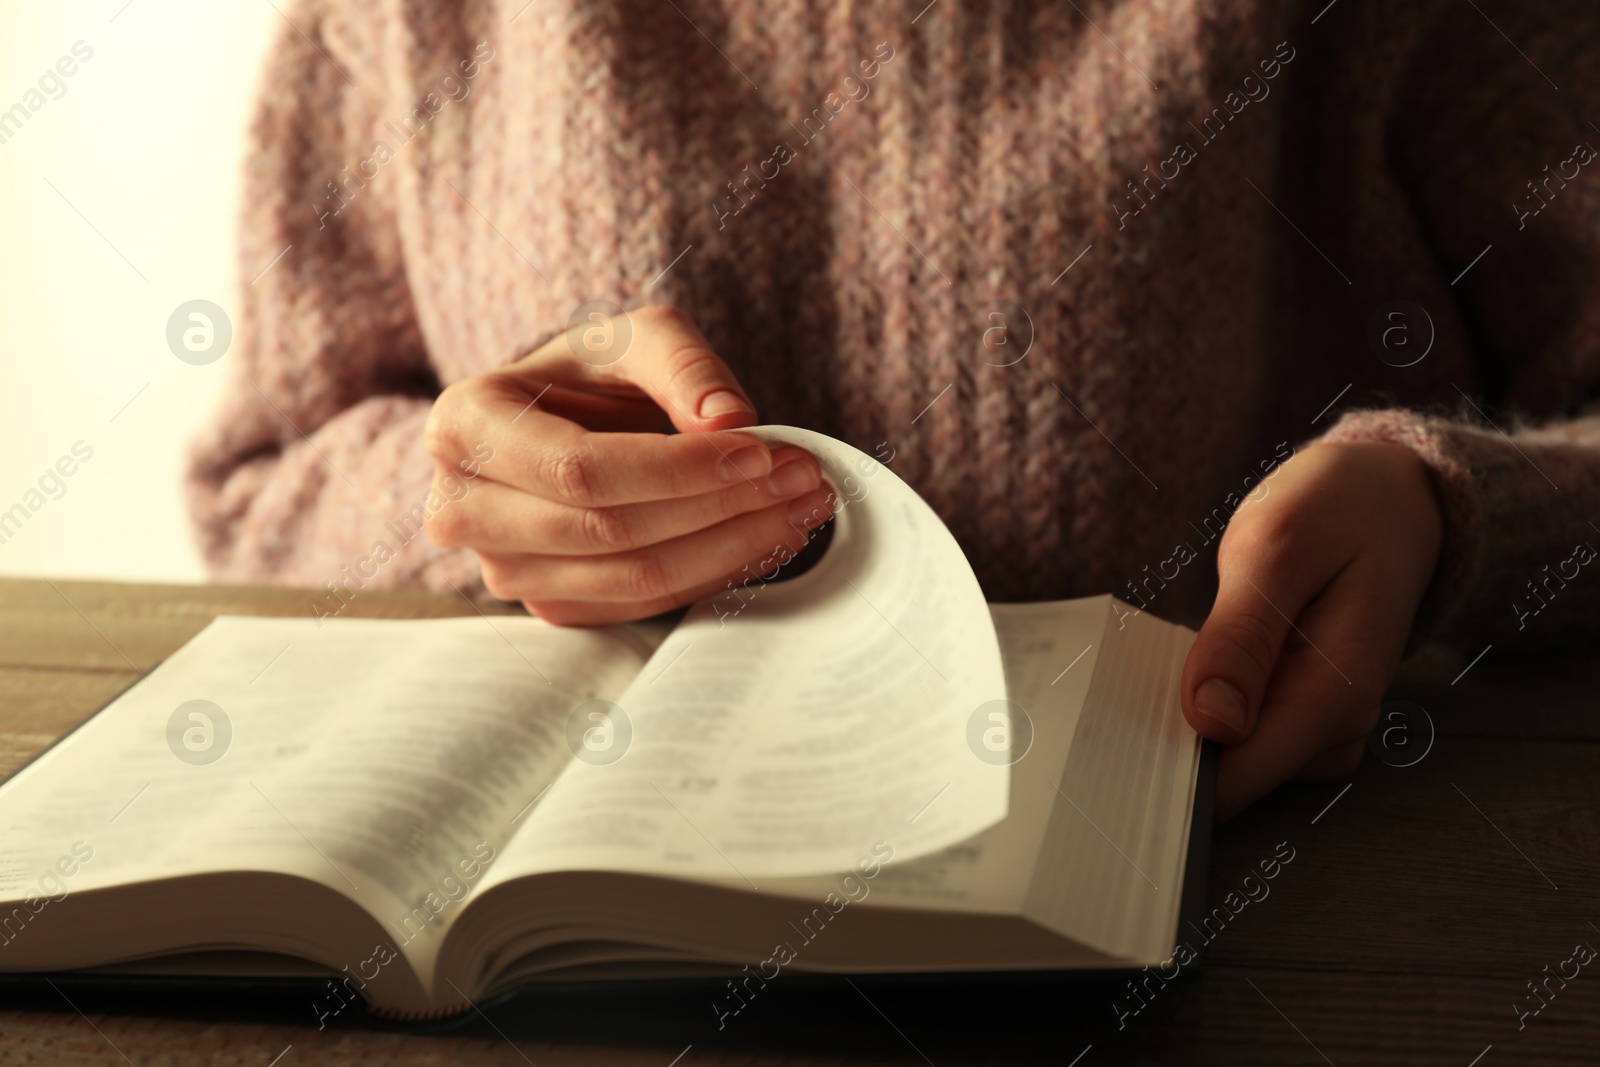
x: 1518, y: 514
x: 1457, y: 491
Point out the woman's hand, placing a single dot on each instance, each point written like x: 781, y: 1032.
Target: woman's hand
x: 1320, y: 573
x: 584, y: 515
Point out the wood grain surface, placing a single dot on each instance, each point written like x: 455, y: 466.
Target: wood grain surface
x: 1419, y: 903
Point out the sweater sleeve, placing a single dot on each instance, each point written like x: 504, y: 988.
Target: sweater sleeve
x: 315, y: 454
x: 1481, y: 139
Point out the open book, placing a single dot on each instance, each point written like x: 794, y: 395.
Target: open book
x: 864, y: 769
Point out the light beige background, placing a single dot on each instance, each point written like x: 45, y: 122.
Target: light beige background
x: 146, y: 144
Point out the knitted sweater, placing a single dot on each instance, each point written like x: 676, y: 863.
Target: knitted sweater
x: 1082, y: 273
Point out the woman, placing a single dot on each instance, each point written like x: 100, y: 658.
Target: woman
x: 1097, y: 279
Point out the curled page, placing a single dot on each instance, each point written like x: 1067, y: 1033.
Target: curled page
x: 789, y: 727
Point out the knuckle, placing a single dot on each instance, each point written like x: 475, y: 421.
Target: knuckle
x: 730, y: 504
x: 682, y: 480
x: 609, y: 529
x: 439, y: 436
x: 689, y: 352
x: 690, y: 361
x: 1262, y: 534
x: 499, y: 578
x: 448, y: 527
x: 645, y: 577
x: 459, y: 415
x: 573, y: 478
x: 1254, y: 638
x: 693, y: 370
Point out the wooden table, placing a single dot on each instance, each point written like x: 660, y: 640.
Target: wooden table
x: 1419, y: 904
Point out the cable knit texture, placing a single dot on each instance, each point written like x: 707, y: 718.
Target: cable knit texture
x: 1199, y: 212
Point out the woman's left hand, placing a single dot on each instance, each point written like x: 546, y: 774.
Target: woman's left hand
x: 1320, y: 573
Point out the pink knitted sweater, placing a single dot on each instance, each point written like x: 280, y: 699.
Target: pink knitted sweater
x: 1085, y: 271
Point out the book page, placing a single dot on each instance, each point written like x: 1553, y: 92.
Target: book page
x: 1050, y: 649
x: 1110, y: 871
x: 389, y: 760
x: 1094, y: 841
x: 786, y: 729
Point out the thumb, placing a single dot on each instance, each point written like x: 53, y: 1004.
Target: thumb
x: 1226, y: 674
x: 673, y: 364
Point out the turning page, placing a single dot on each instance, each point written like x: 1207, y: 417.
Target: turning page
x: 786, y: 728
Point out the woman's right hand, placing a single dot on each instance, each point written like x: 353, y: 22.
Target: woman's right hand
x: 588, y: 512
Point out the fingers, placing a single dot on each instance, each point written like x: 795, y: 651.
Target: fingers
x: 1303, y: 720
x: 592, y: 613
x: 540, y: 416
x: 498, y: 518
x: 580, y: 509
x: 1268, y: 568
x: 1323, y: 699
x: 677, y: 369
x: 1345, y: 546
x: 670, y: 361
x: 559, y: 460
x: 594, y: 409
x: 665, y: 573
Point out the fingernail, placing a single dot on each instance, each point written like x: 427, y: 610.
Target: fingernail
x: 724, y: 402
x: 812, y: 510
x: 749, y: 463
x: 1222, y: 701
x: 796, y: 476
